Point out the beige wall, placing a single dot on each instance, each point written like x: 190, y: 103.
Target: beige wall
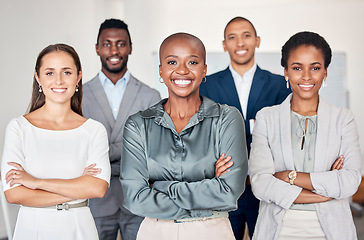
x: 28, y: 26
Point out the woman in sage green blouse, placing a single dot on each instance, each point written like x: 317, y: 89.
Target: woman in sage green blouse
x: 168, y: 169
x: 305, y: 160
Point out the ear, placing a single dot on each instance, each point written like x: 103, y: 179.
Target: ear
x: 204, y: 70
x: 285, y: 73
x: 160, y: 70
x: 258, y: 42
x: 131, y: 49
x: 97, y: 49
x: 325, y: 72
x: 79, y: 77
x: 37, y: 78
x: 224, y: 45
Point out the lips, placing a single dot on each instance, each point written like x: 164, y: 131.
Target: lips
x: 182, y: 82
x: 59, y: 90
x: 306, y: 87
x: 114, y: 60
x: 241, y: 52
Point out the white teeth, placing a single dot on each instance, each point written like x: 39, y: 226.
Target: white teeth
x: 182, y: 82
x: 58, y: 90
x: 114, y: 59
x: 306, y: 86
x: 241, y: 52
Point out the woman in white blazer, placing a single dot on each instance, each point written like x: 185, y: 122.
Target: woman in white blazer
x: 305, y: 161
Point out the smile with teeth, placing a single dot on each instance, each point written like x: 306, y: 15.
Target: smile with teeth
x: 306, y: 87
x: 241, y: 52
x: 59, y: 90
x: 114, y: 59
x: 182, y: 82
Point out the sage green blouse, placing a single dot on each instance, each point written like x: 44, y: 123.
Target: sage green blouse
x: 166, y: 175
x: 303, y: 148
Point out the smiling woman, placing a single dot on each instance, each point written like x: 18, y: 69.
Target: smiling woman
x: 184, y: 159
x: 55, y: 159
x: 305, y: 160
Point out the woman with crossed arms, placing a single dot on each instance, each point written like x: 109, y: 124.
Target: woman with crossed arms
x: 305, y: 161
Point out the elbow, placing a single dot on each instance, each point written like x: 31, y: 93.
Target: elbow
x: 101, y: 191
x: 11, y: 198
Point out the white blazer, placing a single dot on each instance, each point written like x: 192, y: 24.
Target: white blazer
x: 272, y: 152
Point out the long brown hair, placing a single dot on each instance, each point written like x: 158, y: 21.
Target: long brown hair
x: 38, y: 98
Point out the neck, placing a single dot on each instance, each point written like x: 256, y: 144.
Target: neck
x: 242, y: 68
x: 56, y: 112
x: 182, y: 108
x: 114, y: 77
x: 305, y: 107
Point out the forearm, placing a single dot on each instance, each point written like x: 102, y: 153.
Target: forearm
x: 307, y: 196
x: 83, y: 187
x: 34, y: 198
x: 302, y: 179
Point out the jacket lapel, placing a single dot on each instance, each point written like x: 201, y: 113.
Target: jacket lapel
x: 285, y: 130
x: 101, y: 99
x: 126, y: 104
x: 323, y: 129
x: 229, y: 89
x: 257, y: 85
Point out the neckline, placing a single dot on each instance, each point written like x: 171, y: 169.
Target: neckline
x: 50, y: 130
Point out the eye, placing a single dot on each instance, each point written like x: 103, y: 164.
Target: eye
x: 231, y: 37
x: 49, y: 73
x: 67, y: 73
x: 247, y: 35
x: 106, y: 44
x: 193, y: 62
x: 296, y: 68
x: 316, y: 68
x: 172, y: 62
x: 121, y: 44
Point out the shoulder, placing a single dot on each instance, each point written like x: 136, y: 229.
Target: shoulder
x: 268, y: 74
x: 17, y: 123
x: 218, y: 75
x: 94, y: 127
x: 145, y: 89
x: 339, y: 114
x: 223, y: 111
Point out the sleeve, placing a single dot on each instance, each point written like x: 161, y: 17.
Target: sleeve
x: 345, y: 182
x: 13, y: 150
x: 98, y: 153
x: 265, y: 186
x: 140, y: 199
x: 219, y: 193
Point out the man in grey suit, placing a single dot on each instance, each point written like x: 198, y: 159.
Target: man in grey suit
x: 110, y: 98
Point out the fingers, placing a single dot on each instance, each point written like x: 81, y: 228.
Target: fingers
x: 16, y: 165
x: 222, y: 165
x: 12, y: 175
x: 91, y: 170
x: 338, y: 164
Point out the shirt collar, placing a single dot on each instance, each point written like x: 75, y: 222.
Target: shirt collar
x: 248, y: 75
x: 208, y: 108
x: 104, y: 80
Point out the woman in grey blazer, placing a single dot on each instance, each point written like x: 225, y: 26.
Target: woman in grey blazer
x: 305, y: 161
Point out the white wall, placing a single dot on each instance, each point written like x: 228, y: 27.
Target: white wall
x: 28, y: 26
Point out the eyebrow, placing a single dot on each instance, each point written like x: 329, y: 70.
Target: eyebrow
x: 175, y: 56
x: 238, y: 34
x: 64, y: 68
x: 302, y: 64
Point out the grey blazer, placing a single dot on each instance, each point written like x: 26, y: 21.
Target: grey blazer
x: 95, y: 105
x: 272, y: 152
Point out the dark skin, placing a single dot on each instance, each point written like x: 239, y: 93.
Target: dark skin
x: 182, y: 68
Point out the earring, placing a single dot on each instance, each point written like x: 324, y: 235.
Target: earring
x: 76, y: 88
x: 40, y: 89
x: 161, y: 80
x: 204, y: 79
x: 287, y: 82
x: 324, y: 84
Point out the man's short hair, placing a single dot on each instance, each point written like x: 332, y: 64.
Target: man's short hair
x: 236, y: 19
x: 113, y: 23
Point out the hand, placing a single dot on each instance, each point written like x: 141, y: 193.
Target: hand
x: 223, y: 165
x: 338, y: 164
x: 91, y: 170
x: 20, y: 176
x: 282, y: 175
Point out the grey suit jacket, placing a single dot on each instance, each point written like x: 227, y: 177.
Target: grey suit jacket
x: 272, y: 152
x: 95, y: 105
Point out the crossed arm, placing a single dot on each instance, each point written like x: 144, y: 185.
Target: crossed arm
x: 35, y: 192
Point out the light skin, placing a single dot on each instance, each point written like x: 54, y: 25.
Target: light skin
x: 305, y: 71
x: 240, y: 42
x: 182, y: 68
x: 58, y: 77
x: 114, y: 49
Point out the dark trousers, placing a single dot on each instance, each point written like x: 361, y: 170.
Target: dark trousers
x: 108, y: 227
x: 248, y: 206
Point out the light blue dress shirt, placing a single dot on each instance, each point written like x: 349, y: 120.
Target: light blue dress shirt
x: 114, y: 92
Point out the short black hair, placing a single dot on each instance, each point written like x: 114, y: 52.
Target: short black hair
x: 236, y: 19
x: 113, y: 23
x: 308, y: 39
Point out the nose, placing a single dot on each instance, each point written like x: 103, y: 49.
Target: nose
x: 182, y: 69
x: 306, y: 75
x: 114, y: 49
x: 59, y: 79
x: 240, y: 42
